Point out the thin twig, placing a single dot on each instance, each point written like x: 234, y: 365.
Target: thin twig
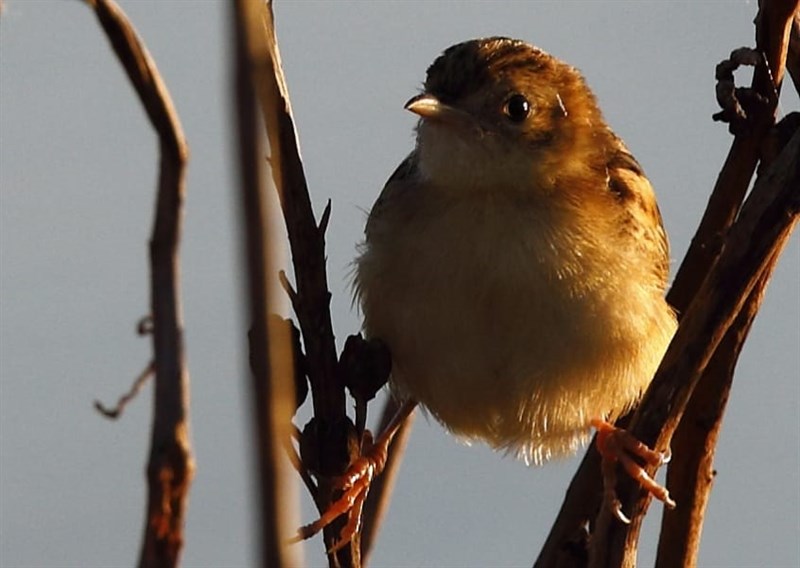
x: 691, y: 472
x: 761, y: 232
x: 565, y: 545
x: 287, y: 287
x: 116, y: 411
x: 170, y: 467
x: 301, y: 470
x: 380, y: 494
x: 307, y: 242
x: 272, y: 384
x: 793, y: 56
x: 326, y: 217
x: 734, y: 178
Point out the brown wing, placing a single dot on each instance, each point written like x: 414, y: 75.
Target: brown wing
x: 398, y: 182
x: 628, y: 182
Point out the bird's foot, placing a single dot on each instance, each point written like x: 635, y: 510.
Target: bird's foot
x: 354, y: 485
x: 617, y: 445
x: 356, y: 482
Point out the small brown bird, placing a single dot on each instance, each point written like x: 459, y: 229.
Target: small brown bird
x: 515, y: 263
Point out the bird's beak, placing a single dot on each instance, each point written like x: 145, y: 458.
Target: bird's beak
x: 428, y: 106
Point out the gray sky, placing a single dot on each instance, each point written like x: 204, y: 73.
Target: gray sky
x: 77, y: 171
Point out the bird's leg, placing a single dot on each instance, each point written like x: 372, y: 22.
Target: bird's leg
x: 617, y: 445
x: 355, y: 483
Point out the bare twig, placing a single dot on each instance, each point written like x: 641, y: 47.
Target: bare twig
x: 565, y: 545
x: 288, y: 288
x: 333, y: 452
x: 766, y: 220
x: 691, y: 472
x: 306, y: 240
x: 114, y: 412
x: 301, y: 470
x: 736, y: 173
x: 380, y: 494
x: 326, y: 216
x: 690, y: 475
x: 170, y: 467
x: 793, y: 56
x: 273, y: 378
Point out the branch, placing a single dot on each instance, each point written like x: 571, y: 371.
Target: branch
x: 793, y: 56
x: 740, y: 164
x: 272, y: 376
x: 566, y: 543
x: 331, y: 428
x: 754, y: 242
x: 691, y: 472
x: 380, y: 493
x: 306, y: 237
x: 170, y: 467
x: 690, y: 475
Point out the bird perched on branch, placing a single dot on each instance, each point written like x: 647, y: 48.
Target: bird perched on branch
x: 515, y: 262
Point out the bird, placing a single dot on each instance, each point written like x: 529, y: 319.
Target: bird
x: 515, y: 263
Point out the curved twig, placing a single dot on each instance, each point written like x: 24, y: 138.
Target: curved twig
x: 114, y: 412
x: 170, y: 466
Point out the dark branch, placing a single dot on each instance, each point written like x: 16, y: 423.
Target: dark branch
x: 565, y: 545
x: 329, y: 432
x: 380, y: 493
x: 271, y: 357
x: 765, y: 223
x: 170, y: 467
x: 691, y: 472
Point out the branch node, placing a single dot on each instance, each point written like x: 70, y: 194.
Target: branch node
x: 146, y: 325
x: 288, y: 288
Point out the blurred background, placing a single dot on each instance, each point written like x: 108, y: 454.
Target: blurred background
x: 77, y: 170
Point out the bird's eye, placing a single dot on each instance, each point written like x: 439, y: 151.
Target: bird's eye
x: 517, y: 108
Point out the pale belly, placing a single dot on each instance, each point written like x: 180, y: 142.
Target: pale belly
x: 511, y: 333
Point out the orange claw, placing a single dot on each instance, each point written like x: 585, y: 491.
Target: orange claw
x: 618, y: 445
x: 356, y: 482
